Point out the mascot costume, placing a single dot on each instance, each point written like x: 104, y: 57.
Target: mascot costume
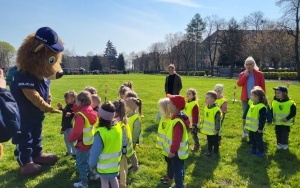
x: 38, y: 60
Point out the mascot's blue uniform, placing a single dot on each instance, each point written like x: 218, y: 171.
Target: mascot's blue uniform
x: 29, y: 141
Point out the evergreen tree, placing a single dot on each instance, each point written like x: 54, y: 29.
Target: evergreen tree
x: 95, y: 63
x: 121, y: 62
x: 111, y: 54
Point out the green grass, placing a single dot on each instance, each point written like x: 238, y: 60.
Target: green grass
x: 234, y: 168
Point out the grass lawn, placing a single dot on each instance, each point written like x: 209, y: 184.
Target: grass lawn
x: 234, y: 168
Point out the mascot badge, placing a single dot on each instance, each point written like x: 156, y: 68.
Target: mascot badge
x: 38, y: 61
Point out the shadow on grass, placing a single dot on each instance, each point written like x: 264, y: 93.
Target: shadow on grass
x: 252, y: 168
x: 151, y: 128
x: 288, y: 163
x: 203, y: 168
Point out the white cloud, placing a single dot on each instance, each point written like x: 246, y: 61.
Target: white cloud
x: 187, y: 3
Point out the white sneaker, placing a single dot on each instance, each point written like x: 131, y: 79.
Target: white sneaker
x: 95, y: 177
x: 81, y: 185
x: 285, y: 146
x: 245, y: 135
x: 279, y: 146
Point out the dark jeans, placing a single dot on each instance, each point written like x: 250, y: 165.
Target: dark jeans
x: 178, y: 166
x: 194, y: 133
x: 282, y: 134
x: 29, y: 141
x: 256, y: 140
x: 170, y: 171
x: 213, y: 143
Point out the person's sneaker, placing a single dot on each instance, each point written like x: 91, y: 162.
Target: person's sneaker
x: 167, y: 181
x: 252, y: 152
x: 209, y: 155
x: 260, y: 155
x: 195, y: 148
x: 133, y: 168
x: 81, y: 185
x: 285, y: 146
x: 163, y: 178
x: 279, y: 146
x: 245, y: 135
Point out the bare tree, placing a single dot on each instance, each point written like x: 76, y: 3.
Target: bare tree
x: 156, y: 51
x: 290, y: 10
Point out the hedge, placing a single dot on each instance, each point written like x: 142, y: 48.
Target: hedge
x: 187, y: 73
x: 281, y: 75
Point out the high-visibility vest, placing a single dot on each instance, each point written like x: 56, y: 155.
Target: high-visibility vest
x: 220, y: 101
x: 209, y: 124
x: 129, y: 146
x: 88, y: 130
x: 183, y: 148
x: 281, y: 110
x: 188, y: 110
x: 131, y: 121
x: 252, y: 118
x: 162, y: 132
x: 110, y: 157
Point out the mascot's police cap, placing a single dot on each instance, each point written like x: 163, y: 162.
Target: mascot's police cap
x: 50, y: 38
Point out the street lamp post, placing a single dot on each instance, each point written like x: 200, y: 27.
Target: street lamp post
x: 195, y: 31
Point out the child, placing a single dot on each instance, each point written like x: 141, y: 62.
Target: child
x: 122, y: 90
x: 128, y: 84
x: 127, y: 146
x: 96, y: 100
x: 66, y: 121
x: 211, y: 125
x: 84, y: 120
x: 222, y: 103
x: 135, y: 124
x: 192, y: 111
x: 105, y: 153
x: 176, y: 142
x: 255, y: 121
x: 90, y: 89
x: 163, y: 126
x: 284, y: 112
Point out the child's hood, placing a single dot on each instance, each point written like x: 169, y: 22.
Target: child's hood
x: 184, y: 118
x: 90, y: 114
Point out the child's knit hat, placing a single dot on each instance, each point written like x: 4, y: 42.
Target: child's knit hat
x: 177, y: 100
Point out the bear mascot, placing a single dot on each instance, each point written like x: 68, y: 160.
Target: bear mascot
x: 38, y: 61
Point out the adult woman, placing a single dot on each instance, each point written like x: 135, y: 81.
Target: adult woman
x: 247, y: 80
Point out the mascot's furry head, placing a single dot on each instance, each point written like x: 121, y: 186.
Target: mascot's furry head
x: 41, y: 54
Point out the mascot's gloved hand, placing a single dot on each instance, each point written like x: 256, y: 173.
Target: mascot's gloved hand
x: 38, y: 101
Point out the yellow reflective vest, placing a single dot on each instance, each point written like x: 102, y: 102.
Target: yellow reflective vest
x: 188, y: 110
x: 252, y: 118
x: 162, y: 132
x: 183, y: 148
x: 88, y: 130
x: 131, y: 121
x: 110, y: 157
x: 209, y: 125
x: 282, y: 110
x: 220, y: 101
x: 129, y: 146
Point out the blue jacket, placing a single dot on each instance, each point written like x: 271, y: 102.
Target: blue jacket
x: 9, y: 116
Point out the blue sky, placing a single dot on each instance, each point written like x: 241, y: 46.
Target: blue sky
x: 132, y: 25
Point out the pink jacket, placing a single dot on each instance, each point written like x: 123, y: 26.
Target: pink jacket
x: 259, y: 80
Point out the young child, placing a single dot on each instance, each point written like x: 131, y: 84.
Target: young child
x: 284, y: 112
x: 122, y: 90
x: 96, y: 100
x: 128, y: 84
x: 90, y: 89
x: 105, y: 154
x: 211, y: 125
x: 222, y: 103
x: 84, y: 120
x: 255, y: 121
x: 66, y: 121
x: 127, y: 146
x: 163, y: 126
x: 176, y: 142
x: 192, y: 111
x: 135, y: 124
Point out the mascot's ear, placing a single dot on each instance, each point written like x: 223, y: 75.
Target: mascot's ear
x: 38, y: 48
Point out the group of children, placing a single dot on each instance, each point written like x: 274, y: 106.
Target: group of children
x: 102, y: 138
x: 179, y: 116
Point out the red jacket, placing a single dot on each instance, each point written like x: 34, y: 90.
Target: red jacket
x: 259, y: 80
x: 77, y: 132
x: 178, y: 132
